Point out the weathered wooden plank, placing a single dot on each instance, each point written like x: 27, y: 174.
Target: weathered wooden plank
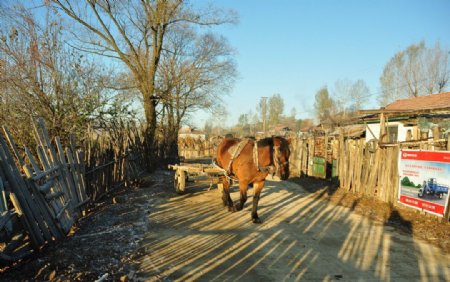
x: 20, y: 254
x: 198, y: 169
x: 15, y: 250
x: 395, y: 176
x: 43, y: 158
x: 24, y: 201
x: 51, y: 196
x: 80, y: 172
x: 351, y: 170
x: 61, y: 183
x: 375, y: 175
x: 66, y: 175
x: 13, y: 146
x: 58, y: 203
x: 62, y: 211
x: 5, y: 218
x: 80, y: 204
x: 45, y: 188
x: 51, y: 173
x: 33, y: 162
x: 48, y: 172
x: 3, y: 201
x: 48, y: 208
x: 45, y: 221
x: 68, y: 219
x: 75, y: 175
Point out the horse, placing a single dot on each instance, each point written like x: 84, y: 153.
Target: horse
x: 250, y: 162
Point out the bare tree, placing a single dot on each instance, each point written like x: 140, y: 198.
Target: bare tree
x: 350, y: 96
x: 42, y: 77
x: 359, y: 92
x: 342, y: 90
x: 413, y: 72
x: 134, y: 33
x: 194, y: 75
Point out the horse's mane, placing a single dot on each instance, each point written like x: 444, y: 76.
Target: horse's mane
x: 284, y: 144
x: 268, y: 141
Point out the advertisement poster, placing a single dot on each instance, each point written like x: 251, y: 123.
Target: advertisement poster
x: 424, y: 180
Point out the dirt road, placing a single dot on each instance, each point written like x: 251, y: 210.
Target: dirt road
x: 192, y: 237
x: 150, y: 233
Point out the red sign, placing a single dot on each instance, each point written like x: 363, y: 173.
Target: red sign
x: 425, y: 205
x: 432, y: 156
x: 424, y: 180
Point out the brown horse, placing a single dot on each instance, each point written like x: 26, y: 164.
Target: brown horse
x: 250, y: 162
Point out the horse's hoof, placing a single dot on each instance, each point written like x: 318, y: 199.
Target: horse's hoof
x: 232, y: 209
x: 256, y: 220
x: 238, y: 207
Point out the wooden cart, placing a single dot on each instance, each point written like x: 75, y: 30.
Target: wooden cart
x: 192, y: 172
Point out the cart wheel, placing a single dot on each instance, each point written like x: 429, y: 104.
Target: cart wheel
x: 180, y: 182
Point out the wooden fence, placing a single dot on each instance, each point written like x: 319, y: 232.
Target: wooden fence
x: 113, y: 160
x: 42, y: 194
x: 192, y: 148
x: 369, y: 169
x: 359, y: 167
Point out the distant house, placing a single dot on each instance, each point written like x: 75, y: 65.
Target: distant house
x: 191, y: 133
x: 410, y: 119
x: 280, y: 130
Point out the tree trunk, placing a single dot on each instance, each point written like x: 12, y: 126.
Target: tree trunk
x: 149, y: 139
x: 172, y: 136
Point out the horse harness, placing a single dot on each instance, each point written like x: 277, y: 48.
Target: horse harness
x: 236, y: 150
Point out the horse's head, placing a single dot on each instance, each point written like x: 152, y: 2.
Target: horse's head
x: 281, y: 155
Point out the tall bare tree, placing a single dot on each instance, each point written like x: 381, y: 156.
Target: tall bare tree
x: 134, y: 33
x: 415, y: 71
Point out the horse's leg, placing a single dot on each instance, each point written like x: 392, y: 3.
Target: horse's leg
x: 257, y: 187
x: 227, y: 202
x: 243, y: 186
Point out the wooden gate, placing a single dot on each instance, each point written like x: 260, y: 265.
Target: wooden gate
x: 319, y: 167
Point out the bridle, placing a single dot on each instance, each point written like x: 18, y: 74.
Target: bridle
x: 277, y: 164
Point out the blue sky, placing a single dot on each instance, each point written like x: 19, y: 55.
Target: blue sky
x: 293, y: 48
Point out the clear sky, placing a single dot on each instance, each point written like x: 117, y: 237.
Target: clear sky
x: 295, y: 47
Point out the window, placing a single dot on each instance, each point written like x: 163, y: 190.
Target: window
x: 392, y: 132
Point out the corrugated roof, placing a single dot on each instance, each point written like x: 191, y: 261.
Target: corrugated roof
x: 429, y: 102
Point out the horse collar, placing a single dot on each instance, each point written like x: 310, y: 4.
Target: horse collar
x: 265, y: 169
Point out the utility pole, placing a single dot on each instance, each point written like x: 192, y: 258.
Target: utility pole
x: 264, y: 112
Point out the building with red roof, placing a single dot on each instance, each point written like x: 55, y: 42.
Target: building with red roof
x: 409, y: 119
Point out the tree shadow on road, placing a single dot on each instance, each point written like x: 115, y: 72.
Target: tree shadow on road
x: 302, y: 237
